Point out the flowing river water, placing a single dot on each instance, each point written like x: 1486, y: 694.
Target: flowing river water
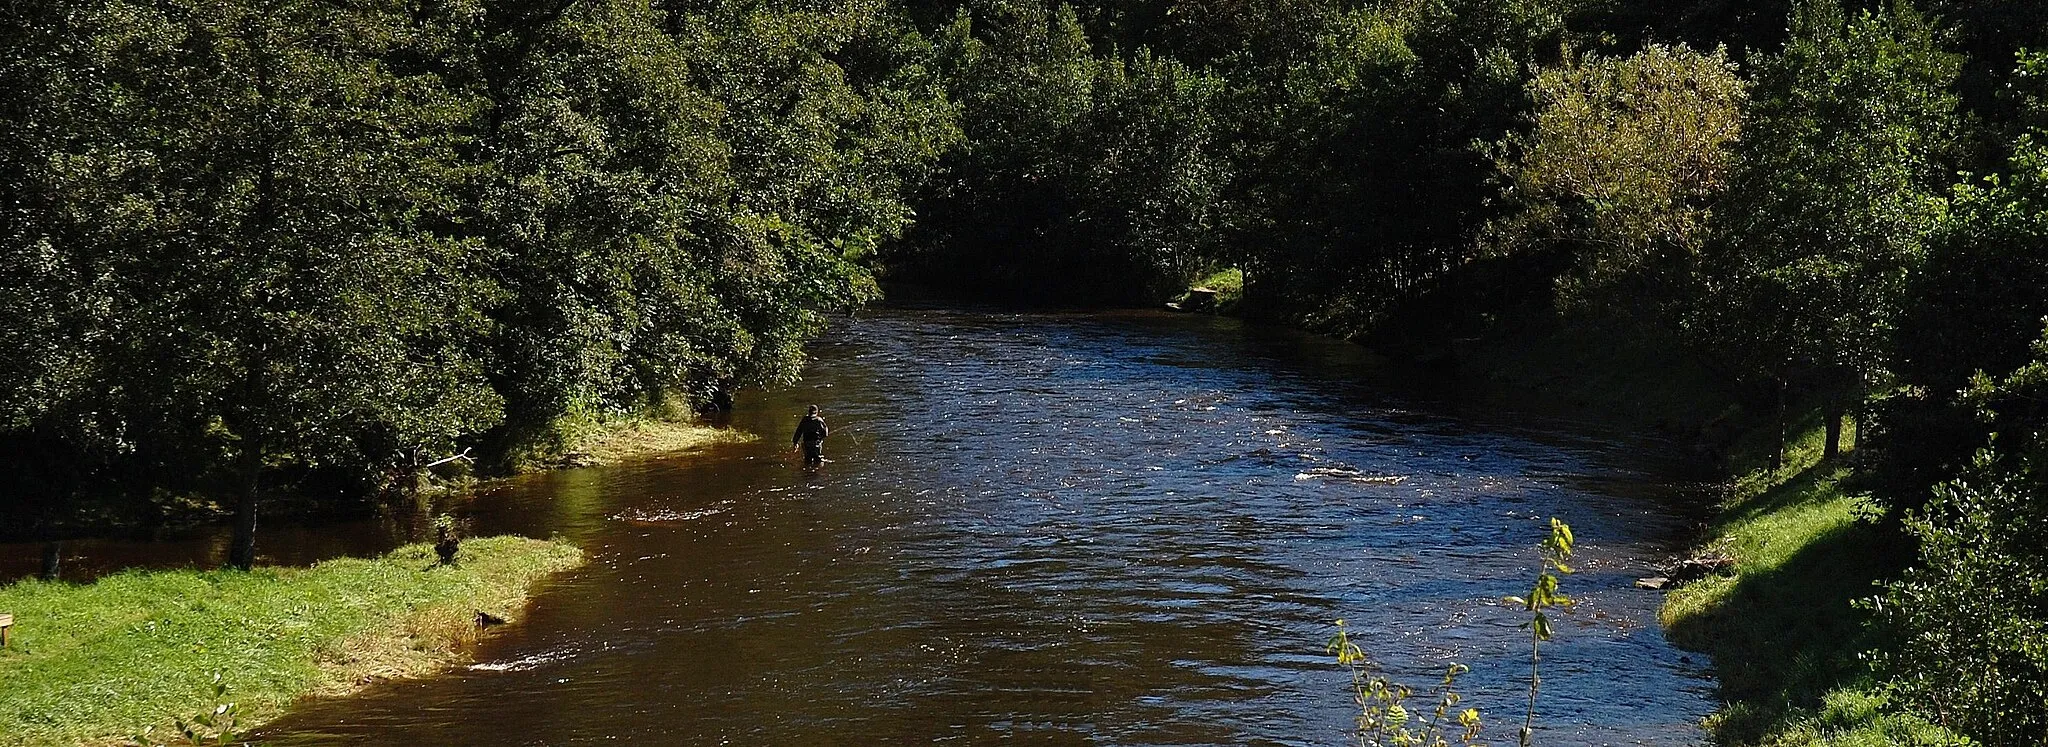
x: 1130, y: 529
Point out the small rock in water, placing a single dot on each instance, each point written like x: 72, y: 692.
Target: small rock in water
x: 1653, y: 583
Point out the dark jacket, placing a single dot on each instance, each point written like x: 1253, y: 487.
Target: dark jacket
x: 810, y: 429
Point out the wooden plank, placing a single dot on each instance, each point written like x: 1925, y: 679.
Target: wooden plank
x: 6, y: 621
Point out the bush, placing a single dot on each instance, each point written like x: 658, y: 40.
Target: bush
x: 1973, y: 616
x: 1913, y: 440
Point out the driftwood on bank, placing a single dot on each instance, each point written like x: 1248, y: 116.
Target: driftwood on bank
x: 1707, y: 563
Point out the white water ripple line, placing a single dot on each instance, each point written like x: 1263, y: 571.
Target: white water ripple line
x: 524, y: 663
x: 667, y: 515
x: 1350, y: 475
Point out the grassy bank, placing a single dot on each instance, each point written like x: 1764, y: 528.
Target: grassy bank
x: 98, y: 662
x: 583, y: 439
x: 1223, y: 290
x: 1788, y: 642
x: 616, y: 441
x: 1786, y: 634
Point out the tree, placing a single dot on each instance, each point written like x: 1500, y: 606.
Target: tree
x: 1082, y: 176
x: 266, y: 244
x: 1834, y: 191
x: 1357, y: 179
x: 257, y: 203
x: 1973, y: 304
x: 1975, y: 301
x: 1151, y: 190
x: 676, y: 199
x: 1972, y: 615
x: 1621, y: 168
x: 1993, y: 35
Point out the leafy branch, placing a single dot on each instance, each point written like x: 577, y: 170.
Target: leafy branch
x: 1543, y: 596
x: 217, y: 726
x: 1384, y: 719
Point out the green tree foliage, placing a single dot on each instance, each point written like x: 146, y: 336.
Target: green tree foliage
x: 683, y: 196
x: 1326, y: 148
x: 599, y: 146
x: 1994, y: 34
x: 305, y: 244
x: 1323, y: 141
x: 1835, y: 189
x: 1155, y: 190
x: 1621, y: 168
x: 1973, y: 304
x: 246, y: 207
x: 1975, y: 300
x: 1973, y: 613
x: 1360, y: 182
x: 1084, y: 176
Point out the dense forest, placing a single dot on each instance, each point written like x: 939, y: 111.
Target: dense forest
x: 266, y: 250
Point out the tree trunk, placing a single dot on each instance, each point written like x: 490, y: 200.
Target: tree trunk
x: 1778, y: 453
x: 53, y: 560
x: 1831, y: 420
x: 1859, y: 416
x: 242, y: 553
x: 260, y: 219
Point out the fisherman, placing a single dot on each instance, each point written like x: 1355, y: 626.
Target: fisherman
x: 810, y: 434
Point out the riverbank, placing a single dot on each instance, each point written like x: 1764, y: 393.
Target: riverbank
x: 1787, y: 627
x: 612, y: 442
x: 583, y: 440
x: 569, y: 443
x: 1783, y: 623
x: 97, y: 663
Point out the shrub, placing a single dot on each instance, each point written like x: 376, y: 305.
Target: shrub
x: 1973, y: 615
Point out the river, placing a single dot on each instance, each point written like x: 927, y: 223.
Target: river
x: 1123, y: 528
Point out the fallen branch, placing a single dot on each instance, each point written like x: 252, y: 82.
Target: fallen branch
x: 464, y: 456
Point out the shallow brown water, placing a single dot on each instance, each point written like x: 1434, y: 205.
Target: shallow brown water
x: 1056, y: 529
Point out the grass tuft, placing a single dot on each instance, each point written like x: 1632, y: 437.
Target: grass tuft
x: 98, y: 662
x: 1227, y: 282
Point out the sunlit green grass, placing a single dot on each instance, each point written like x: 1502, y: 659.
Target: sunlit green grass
x: 96, y: 662
x: 1228, y: 284
x: 589, y: 437
x: 1787, y: 640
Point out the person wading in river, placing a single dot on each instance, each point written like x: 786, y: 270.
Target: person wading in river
x: 810, y: 434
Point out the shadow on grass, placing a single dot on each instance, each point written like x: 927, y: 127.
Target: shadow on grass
x: 1804, y: 486
x: 1784, y: 637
